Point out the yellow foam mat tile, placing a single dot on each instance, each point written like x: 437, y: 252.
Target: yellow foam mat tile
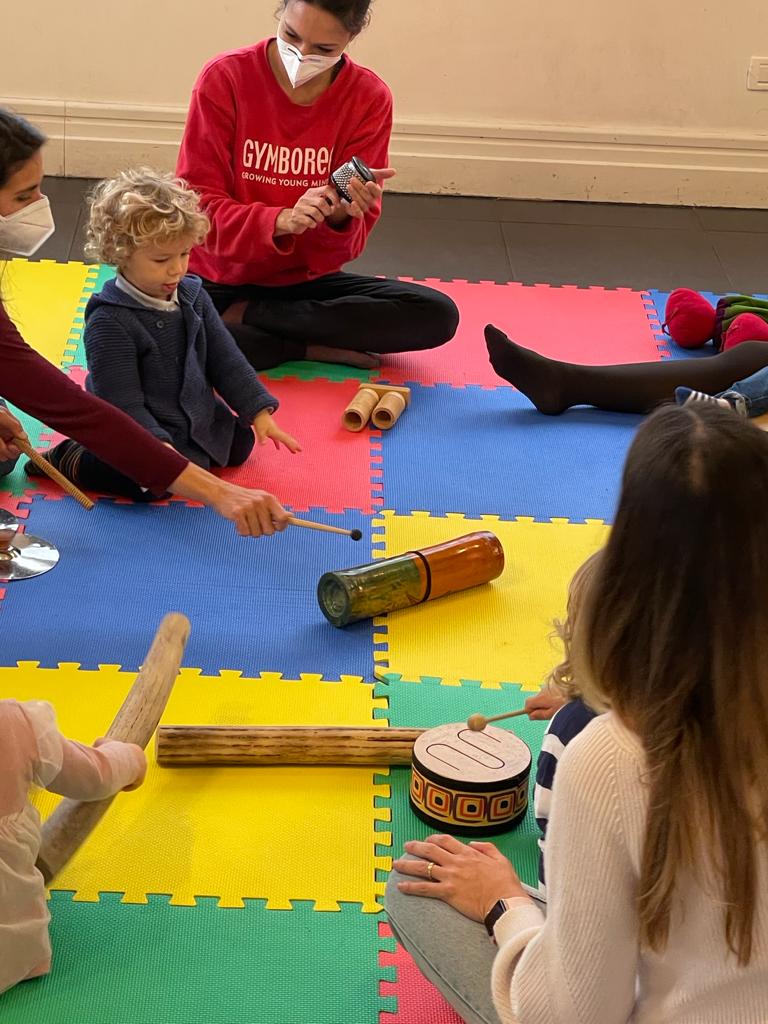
x: 44, y: 300
x: 278, y: 834
x: 501, y: 632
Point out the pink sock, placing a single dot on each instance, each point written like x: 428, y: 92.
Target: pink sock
x: 745, y: 327
x: 689, y: 319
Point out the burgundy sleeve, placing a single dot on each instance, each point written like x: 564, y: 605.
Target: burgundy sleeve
x: 34, y: 385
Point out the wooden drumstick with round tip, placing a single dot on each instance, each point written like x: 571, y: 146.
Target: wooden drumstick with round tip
x: 42, y: 463
x: 74, y: 820
x: 478, y: 722
x: 354, y: 534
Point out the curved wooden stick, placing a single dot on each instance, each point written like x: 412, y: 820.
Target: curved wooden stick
x: 74, y: 820
x: 42, y: 463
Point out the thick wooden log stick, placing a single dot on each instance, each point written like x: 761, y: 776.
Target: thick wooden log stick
x: 42, y: 463
x: 73, y: 820
x: 179, y: 745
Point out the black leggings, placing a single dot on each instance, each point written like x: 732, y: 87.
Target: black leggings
x: 348, y: 311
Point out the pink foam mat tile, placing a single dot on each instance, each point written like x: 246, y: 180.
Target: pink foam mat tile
x: 584, y: 325
x: 418, y: 1001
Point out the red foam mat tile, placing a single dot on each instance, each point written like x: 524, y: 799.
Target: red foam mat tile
x: 418, y: 1001
x: 334, y: 469
x: 584, y: 325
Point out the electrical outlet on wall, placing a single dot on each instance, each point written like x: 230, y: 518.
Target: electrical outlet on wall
x: 757, y: 78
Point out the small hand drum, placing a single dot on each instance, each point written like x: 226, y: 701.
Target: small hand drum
x: 470, y: 783
x: 353, y: 168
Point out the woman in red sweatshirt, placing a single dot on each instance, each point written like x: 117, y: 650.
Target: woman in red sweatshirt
x: 267, y: 125
x: 37, y: 387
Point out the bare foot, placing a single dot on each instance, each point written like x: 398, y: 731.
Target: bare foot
x: 325, y: 354
x: 234, y: 314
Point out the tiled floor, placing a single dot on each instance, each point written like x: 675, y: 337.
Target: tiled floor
x: 521, y: 240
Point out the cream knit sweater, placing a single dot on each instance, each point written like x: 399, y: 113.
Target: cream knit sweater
x: 582, y: 965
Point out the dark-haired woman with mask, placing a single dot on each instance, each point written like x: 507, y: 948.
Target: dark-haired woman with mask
x: 34, y: 385
x: 267, y: 126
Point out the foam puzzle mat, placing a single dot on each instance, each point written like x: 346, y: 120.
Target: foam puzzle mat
x: 247, y: 894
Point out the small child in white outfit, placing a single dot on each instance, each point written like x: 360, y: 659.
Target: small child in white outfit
x: 34, y: 753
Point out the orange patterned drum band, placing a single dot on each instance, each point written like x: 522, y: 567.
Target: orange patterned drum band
x: 470, y: 783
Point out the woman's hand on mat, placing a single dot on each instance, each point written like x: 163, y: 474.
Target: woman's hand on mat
x: 542, y: 706
x: 9, y: 428
x: 140, y: 757
x: 312, y: 209
x: 470, y: 877
x: 366, y: 195
x: 267, y: 429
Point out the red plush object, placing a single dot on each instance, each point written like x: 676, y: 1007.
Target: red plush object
x: 688, y: 318
x: 745, y: 327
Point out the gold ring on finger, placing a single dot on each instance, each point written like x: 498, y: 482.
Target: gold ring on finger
x: 430, y: 867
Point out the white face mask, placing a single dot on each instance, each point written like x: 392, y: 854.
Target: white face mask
x: 23, y: 232
x: 299, y: 69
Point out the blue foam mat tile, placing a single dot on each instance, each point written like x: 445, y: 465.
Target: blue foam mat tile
x: 489, y: 452
x: 252, y: 603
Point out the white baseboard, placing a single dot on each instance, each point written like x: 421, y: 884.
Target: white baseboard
x: 513, y: 161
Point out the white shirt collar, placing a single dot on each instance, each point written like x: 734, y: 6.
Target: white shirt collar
x: 164, y: 305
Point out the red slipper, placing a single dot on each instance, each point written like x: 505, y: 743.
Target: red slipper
x: 689, y: 319
x: 745, y: 327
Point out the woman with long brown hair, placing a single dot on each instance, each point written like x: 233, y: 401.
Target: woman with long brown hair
x: 656, y: 856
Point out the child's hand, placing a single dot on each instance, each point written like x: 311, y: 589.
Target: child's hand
x: 141, y: 757
x: 543, y: 705
x: 266, y: 427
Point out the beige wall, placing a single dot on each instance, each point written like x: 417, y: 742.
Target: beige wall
x: 594, y: 99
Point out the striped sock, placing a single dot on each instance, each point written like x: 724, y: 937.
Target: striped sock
x: 65, y: 456
x: 684, y: 396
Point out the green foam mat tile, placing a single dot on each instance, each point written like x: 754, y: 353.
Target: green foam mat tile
x: 426, y: 704
x: 116, y: 963
x: 307, y: 369
x: 98, y: 276
x: 17, y: 482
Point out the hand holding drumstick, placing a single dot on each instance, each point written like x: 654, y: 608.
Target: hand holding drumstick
x: 540, y: 707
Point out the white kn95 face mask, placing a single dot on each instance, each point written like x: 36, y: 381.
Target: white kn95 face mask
x: 22, y: 233
x: 300, y: 69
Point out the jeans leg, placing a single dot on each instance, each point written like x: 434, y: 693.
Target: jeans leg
x: 751, y: 394
x: 451, y: 951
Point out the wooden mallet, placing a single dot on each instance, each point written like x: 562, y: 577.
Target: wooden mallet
x: 309, y: 525
x: 478, y: 722
x: 50, y: 471
x: 74, y: 820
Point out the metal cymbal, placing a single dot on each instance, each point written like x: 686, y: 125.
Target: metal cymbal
x: 21, y: 555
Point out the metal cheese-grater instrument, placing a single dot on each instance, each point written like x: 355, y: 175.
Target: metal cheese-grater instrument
x: 353, y: 168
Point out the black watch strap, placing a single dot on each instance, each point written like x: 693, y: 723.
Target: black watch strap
x: 493, y: 915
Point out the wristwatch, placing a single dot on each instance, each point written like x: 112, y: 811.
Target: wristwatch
x: 493, y: 915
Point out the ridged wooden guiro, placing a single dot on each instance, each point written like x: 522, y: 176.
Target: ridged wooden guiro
x: 179, y: 745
